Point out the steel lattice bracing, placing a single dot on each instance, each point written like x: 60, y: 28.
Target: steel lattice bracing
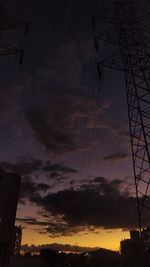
x: 128, y: 41
x: 9, y: 23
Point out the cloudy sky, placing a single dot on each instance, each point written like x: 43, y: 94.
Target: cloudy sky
x: 65, y: 133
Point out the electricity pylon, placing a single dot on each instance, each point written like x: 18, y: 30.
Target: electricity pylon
x: 124, y: 45
x: 10, y: 23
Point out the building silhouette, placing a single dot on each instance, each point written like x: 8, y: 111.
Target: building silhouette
x: 133, y: 251
x: 9, y: 192
x: 17, y: 239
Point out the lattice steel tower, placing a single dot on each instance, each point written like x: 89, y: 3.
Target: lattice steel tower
x: 10, y: 23
x: 124, y: 45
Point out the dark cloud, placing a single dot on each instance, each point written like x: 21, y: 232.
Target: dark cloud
x: 99, y: 180
x: 54, y: 175
x: 23, y: 166
x: 116, y: 156
x: 62, y: 179
x: 49, y: 132
x: 57, y: 168
x: 30, y: 165
x: 31, y: 221
x: 62, y: 126
x: 28, y: 188
x: 99, y: 203
x: 60, y: 96
x: 42, y: 187
x: 59, y: 117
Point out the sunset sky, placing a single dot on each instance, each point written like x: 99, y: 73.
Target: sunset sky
x: 70, y: 144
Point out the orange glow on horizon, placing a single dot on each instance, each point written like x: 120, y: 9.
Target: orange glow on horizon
x: 109, y: 239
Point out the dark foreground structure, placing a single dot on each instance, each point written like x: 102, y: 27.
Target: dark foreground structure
x: 134, y: 251
x: 132, y: 256
x: 51, y: 258
x: 17, y: 240
x: 9, y: 192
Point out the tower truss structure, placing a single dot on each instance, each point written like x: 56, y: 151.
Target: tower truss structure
x: 10, y: 23
x: 124, y: 45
